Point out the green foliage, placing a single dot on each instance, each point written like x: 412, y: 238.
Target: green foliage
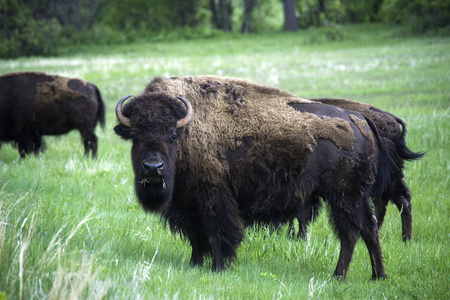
x: 335, y: 12
x: 361, y: 11
x: 327, y: 34
x: 418, y: 15
x: 27, y: 41
x: 267, y: 16
x: 71, y: 227
x: 132, y: 15
x: 151, y: 16
x: 22, y: 35
x: 46, y: 27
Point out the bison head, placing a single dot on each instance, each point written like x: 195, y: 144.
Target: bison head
x: 154, y: 122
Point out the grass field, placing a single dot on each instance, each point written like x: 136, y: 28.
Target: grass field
x: 70, y: 227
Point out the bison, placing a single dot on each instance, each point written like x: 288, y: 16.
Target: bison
x: 237, y: 153
x: 34, y: 104
x: 393, y: 131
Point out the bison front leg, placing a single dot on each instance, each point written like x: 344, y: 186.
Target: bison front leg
x: 25, y: 145
x: 307, y: 214
x: 350, y: 223
x: 348, y: 227
x: 37, y: 141
x: 348, y: 241
x: 199, y: 249
x: 222, y: 226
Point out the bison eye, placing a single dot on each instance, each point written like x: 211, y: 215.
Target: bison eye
x: 135, y: 132
x: 172, y: 134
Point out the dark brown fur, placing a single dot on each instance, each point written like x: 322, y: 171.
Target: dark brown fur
x: 392, y: 131
x: 243, y: 159
x: 34, y: 104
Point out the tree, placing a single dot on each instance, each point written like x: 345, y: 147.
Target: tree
x: 419, y: 15
x: 214, y: 17
x: 376, y: 7
x: 23, y: 31
x: 322, y: 6
x: 249, y: 5
x: 225, y: 14
x: 221, y: 14
x: 290, y: 19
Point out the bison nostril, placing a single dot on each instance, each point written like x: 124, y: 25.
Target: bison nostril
x: 153, y: 167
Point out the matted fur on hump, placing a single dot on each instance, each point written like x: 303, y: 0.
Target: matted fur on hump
x: 227, y: 110
x: 58, y: 90
x: 385, y: 121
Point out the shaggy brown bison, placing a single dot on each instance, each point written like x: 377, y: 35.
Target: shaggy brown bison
x: 34, y: 104
x: 235, y: 153
x: 393, y: 132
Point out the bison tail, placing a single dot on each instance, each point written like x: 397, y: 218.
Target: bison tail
x: 101, y: 108
x: 387, y: 164
x: 402, y: 149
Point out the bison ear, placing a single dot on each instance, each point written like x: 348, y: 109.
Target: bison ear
x: 125, y: 132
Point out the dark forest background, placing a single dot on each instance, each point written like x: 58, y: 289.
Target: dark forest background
x: 41, y: 27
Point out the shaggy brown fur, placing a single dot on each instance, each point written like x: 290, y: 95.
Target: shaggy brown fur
x: 393, y: 132
x: 272, y: 122
x: 58, y: 91
x: 387, y: 125
x: 34, y: 104
x: 250, y: 154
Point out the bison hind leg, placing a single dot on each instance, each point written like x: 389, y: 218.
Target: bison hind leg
x: 90, y: 142
x: 400, y: 195
x: 380, y: 203
x: 370, y: 235
x: 406, y: 218
x: 402, y: 199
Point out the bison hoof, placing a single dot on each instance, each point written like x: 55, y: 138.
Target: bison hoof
x: 218, y: 268
x: 382, y: 277
x: 407, y: 238
x: 338, y: 277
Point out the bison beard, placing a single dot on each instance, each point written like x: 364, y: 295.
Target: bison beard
x: 249, y: 155
x: 152, y: 196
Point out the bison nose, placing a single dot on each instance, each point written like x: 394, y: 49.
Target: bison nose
x: 153, y: 168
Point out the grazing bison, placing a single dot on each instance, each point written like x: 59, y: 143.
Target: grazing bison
x: 393, y: 131
x: 237, y: 153
x: 34, y: 104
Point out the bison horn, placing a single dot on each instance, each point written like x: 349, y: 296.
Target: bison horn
x: 186, y: 119
x: 122, y: 119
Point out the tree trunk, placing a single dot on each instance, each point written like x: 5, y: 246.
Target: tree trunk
x: 249, y: 5
x: 290, y: 20
x: 225, y: 12
x: 376, y: 9
x: 322, y: 6
x: 214, y: 18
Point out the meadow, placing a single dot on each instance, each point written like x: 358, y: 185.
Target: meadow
x: 71, y: 227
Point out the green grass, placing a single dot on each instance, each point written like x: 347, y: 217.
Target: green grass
x: 71, y: 227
